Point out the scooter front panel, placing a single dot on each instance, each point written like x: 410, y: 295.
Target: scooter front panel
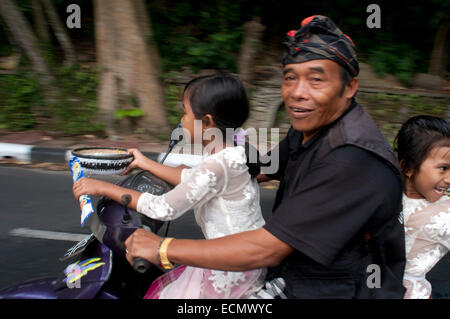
x: 84, y: 278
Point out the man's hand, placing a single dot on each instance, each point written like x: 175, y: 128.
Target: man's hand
x: 143, y: 244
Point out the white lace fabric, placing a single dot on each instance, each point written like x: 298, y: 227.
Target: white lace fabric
x: 224, y: 197
x: 427, y: 240
x: 225, y: 200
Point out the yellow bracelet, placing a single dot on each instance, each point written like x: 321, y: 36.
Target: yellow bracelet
x: 162, y: 250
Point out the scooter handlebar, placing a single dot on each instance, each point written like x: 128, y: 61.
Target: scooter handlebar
x: 141, y: 265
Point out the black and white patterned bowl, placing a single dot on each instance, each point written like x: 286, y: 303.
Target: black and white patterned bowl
x: 102, y: 160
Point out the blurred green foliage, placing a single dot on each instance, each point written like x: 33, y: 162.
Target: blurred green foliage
x: 72, y: 111
x: 75, y: 111
x: 129, y: 108
x: 174, y: 105
x: 399, y: 60
x: 198, y: 34
x: 120, y: 114
x: 18, y: 95
x: 207, y: 35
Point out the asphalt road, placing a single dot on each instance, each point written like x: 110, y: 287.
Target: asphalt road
x: 42, y: 200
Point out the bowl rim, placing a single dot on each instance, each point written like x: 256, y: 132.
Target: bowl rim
x: 106, y: 157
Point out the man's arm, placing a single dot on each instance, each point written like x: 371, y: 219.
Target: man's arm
x: 238, y: 252
x: 261, y: 178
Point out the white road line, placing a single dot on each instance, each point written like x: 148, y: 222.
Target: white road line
x: 46, y: 234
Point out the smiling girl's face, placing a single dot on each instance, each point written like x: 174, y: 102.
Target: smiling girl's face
x: 433, y: 177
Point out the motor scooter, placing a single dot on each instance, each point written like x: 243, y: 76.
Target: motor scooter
x: 97, y: 266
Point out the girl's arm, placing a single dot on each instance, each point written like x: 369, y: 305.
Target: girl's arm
x: 172, y: 175
x: 199, y: 186
x: 89, y: 186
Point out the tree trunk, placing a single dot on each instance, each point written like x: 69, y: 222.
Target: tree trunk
x: 106, y: 93
x: 147, y: 31
x: 22, y: 33
x: 439, y: 55
x: 40, y: 24
x: 129, y: 67
x: 60, y: 33
x: 253, y: 32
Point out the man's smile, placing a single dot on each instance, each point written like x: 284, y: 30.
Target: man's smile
x: 299, y: 112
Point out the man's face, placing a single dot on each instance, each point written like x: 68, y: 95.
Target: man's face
x: 311, y: 93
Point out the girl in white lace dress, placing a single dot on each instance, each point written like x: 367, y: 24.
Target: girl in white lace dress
x: 222, y: 190
x: 423, y: 146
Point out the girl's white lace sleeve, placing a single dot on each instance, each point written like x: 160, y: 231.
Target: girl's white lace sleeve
x: 198, y: 185
x: 440, y: 223
x: 185, y: 173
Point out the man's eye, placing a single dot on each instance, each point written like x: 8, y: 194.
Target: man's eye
x: 443, y: 168
x: 316, y: 79
x: 289, y: 78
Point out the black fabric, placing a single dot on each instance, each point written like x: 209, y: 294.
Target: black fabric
x: 320, y: 38
x: 336, y: 190
x: 334, y: 200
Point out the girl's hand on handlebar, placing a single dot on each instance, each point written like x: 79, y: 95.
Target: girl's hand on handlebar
x: 88, y: 186
x: 138, y: 162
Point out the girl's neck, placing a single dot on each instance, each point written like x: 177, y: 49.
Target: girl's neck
x: 213, y: 147
x: 410, y: 192
x: 414, y: 196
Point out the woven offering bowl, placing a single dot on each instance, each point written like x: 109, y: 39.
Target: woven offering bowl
x: 103, y: 160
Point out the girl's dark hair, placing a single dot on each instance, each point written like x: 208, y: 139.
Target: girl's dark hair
x: 417, y: 137
x: 223, y: 96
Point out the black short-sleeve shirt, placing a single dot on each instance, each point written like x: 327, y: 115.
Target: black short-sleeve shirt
x: 325, y: 207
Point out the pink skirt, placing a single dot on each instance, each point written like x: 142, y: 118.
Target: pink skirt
x: 185, y: 282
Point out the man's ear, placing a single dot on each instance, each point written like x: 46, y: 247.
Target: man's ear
x: 351, y: 88
x: 402, y: 164
x: 207, y: 121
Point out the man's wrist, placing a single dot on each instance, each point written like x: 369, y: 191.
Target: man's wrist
x: 162, y: 253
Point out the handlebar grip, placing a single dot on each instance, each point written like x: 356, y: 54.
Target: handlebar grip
x: 141, y: 265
